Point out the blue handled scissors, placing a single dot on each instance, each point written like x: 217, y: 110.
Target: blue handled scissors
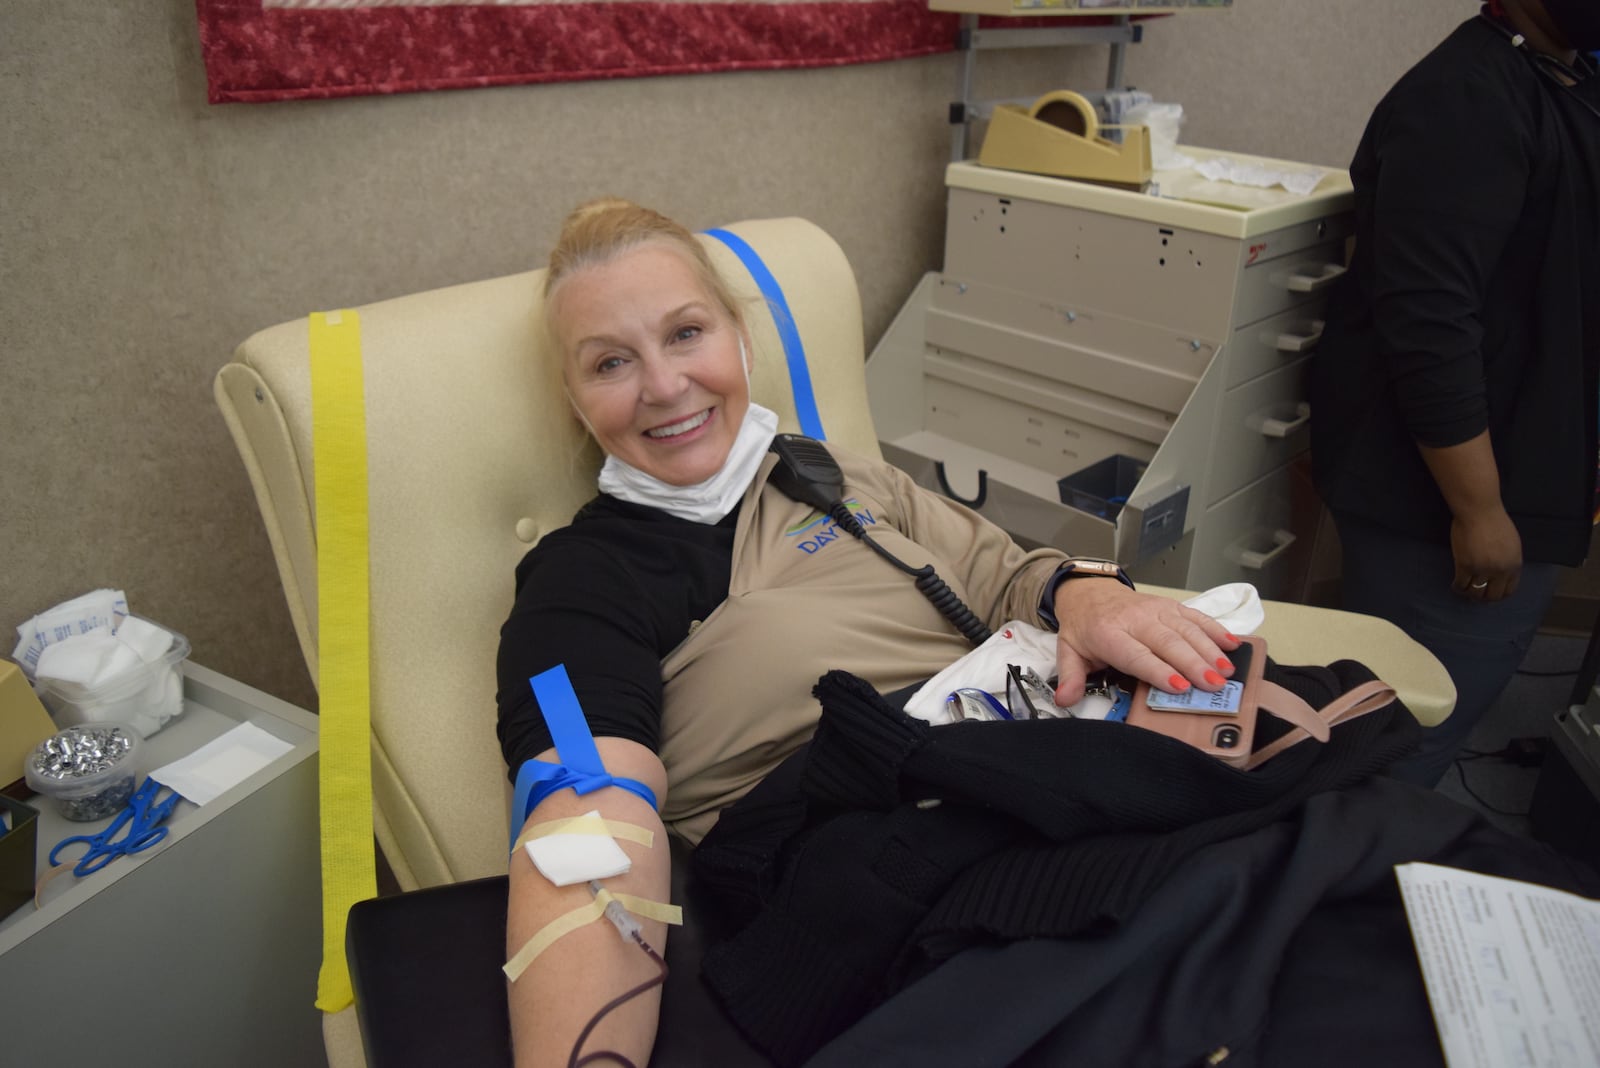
x: 140, y: 818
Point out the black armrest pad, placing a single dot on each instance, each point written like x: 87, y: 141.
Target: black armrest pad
x: 426, y: 970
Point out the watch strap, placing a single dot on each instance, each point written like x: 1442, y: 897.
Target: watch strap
x: 1077, y: 567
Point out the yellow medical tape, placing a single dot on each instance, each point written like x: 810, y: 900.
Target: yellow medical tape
x: 587, y: 824
x: 568, y: 922
x: 344, y: 764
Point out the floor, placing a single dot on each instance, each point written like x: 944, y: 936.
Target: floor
x: 1501, y: 786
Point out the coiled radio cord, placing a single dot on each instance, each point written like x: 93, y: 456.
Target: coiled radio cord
x: 927, y: 580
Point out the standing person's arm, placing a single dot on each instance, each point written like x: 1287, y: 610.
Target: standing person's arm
x: 570, y: 982
x: 1484, y: 541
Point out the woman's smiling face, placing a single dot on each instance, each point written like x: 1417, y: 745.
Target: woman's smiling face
x: 653, y: 363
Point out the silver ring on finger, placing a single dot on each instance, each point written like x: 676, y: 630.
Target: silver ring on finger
x: 1479, y: 585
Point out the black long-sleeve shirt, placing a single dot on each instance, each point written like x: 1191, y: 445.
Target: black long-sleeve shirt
x: 619, y: 602
x: 1473, y: 299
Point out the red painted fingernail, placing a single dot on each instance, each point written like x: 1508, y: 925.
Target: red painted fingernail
x: 1232, y: 638
x: 1177, y: 684
x: 1214, y: 679
x: 1223, y: 664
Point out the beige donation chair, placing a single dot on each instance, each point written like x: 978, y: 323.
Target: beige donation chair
x: 472, y: 458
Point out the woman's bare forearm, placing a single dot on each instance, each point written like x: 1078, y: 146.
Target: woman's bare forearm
x: 563, y: 989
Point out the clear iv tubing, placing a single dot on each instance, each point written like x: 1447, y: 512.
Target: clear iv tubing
x: 629, y: 929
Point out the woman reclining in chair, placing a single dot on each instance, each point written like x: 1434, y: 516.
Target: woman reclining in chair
x: 694, y: 608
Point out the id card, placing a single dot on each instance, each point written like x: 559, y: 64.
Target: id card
x: 1225, y: 702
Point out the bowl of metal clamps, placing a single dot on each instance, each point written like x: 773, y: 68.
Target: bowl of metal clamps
x: 89, y: 771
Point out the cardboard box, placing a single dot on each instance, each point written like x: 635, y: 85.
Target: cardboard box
x: 23, y: 725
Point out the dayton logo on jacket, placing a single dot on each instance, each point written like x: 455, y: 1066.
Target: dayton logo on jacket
x: 817, y: 530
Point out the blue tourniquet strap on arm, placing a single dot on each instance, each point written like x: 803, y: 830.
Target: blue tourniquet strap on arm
x: 580, y: 766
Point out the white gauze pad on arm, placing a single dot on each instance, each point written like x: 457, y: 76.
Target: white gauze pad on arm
x: 577, y: 850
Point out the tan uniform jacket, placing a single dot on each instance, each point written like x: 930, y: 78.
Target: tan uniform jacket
x: 805, y: 598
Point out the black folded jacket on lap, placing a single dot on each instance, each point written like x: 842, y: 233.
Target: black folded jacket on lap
x: 890, y: 846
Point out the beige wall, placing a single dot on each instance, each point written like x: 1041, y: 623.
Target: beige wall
x: 144, y: 233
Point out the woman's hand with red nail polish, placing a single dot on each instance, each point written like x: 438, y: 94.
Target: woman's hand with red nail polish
x: 1155, y: 639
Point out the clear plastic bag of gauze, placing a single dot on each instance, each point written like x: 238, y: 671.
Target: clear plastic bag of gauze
x: 1164, y: 120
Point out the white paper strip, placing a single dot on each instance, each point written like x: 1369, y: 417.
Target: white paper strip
x: 221, y: 763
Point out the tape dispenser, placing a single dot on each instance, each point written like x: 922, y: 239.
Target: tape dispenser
x: 1059, y: 135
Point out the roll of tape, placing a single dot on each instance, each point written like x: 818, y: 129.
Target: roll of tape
x: 1068, y: 111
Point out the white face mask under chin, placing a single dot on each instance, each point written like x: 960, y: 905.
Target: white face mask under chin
x: 704, y: 502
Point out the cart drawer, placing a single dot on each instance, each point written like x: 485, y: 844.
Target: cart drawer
x: 1261, y: 425
x: 1270, y: 287
x: 1275, y: 342
x: 1030, y: 435
x: 1260, y: 534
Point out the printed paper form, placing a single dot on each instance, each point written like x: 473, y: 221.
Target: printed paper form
x: 1512, y: 969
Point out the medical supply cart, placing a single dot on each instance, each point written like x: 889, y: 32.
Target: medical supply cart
x: 203, y: 949
x: 1150, y: 350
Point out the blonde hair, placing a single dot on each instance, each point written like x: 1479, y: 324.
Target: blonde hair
x: 598, y: 231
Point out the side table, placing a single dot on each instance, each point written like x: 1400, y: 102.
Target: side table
x: 201, y: 950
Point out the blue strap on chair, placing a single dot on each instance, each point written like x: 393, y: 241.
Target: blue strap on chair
x: 580, y: 766
x: 794, y: 351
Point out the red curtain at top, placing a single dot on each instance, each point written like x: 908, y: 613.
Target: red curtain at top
x: 299, y: 49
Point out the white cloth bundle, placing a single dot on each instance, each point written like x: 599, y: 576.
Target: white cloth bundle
x: 1235, y: 605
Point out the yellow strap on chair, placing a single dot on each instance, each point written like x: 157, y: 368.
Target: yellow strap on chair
x: 339, y: 457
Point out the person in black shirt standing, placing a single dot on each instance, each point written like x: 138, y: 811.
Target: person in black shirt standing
x: 1455, y: 391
